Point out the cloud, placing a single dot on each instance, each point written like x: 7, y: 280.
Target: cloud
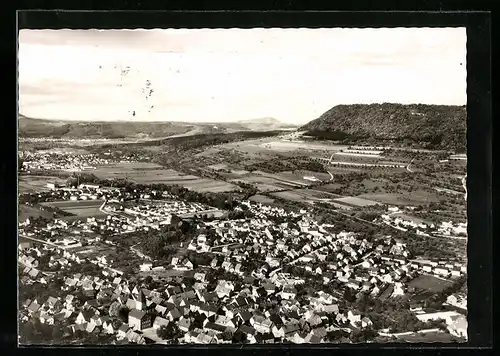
x: 293, y: 75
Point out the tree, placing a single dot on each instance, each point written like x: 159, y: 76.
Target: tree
x: 57, y: 333
x: 363, y: 335
x: 114, y: 309
x: 123, y: 314
x: 349, y: 295
x: 239, y: 338
x: 169, y: 332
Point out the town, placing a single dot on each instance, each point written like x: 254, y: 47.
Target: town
x: 169, y: 194
x: 260, y: 274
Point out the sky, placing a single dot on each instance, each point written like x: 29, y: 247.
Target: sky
x: 217, y: 75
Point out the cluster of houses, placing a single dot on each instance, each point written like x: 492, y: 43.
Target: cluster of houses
x: 67, y: 161
x: 159, y: 213
x: 60, y: 192
x: 256, y: 249
x: 456, y: 322
x: 200, y: 316
x: 395, y: 219
x: 440, y: 268
x: 451, y: 229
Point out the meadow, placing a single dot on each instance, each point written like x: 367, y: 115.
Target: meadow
x: 430, y: 283
x: 79, y: 208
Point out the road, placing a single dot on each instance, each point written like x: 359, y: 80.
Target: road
x: 331, y: 175
x: 464, y: 184
x: 408, y: 166
x: 363, y: 258
x: 139, y: 253
x: 425, y: 331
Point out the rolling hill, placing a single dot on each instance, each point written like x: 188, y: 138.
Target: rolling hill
x: 264, y: 124
x: 29, y: 127
x: 64, y: 129
x: 433, y: 126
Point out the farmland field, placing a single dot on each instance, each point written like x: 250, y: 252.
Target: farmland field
x: 430, y: 283
x: 275, y: 145
x: 261, y: 199
x: 264, y: 184
x: 80, y: 208
x: 413, y: 198
x: 148, y: 173
x: 283, y: 180
x: 33, y: 184
x: 356, y: 201
x: 25, y: 212
x: 207, y: 185
x: 329, y: 187
x: 300, y: 145
x: 302, y: 177
x: 300, y: 195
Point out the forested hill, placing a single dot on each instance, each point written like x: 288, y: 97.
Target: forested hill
x: 433, y: 126
x: 29, y: 127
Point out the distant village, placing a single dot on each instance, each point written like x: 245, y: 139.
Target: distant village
x: 235, y: 280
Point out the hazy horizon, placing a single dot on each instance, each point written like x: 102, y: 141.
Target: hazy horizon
x: 221, y: 75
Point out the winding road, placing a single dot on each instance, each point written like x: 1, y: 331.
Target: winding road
x: 464, y: 184
x: 408, y: 166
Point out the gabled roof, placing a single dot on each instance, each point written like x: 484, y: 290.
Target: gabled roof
x: 247, y: 330
x: 124, y: 328
x: 184, y: 322
x: 160, y: 321
x: 245, y: 315
x: 33, y: 307
x: 175, y: 313
x: 320, y: 332
x: 291, y: 328
x: 87, y: 314
x: 137, y: 314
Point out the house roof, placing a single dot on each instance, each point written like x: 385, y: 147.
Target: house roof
x: 124, y: 328
x: 313, y: 339
x: 215, y: 327
x: 175, y: 313
x: 291, y: 327
x: 245, y: 315
x: 184, y: 322
x: 87, y: 314
x: 320, y: 332
x: 160, y: 321
x: 137, y: 314
x: 247, y: 330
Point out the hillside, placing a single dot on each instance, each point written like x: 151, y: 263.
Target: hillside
x: 432, y: 126
x: 60, y: 129
x: 264, y: 124
x: 29, y: 127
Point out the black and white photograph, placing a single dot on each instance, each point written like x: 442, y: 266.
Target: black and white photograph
x: 242, y: 186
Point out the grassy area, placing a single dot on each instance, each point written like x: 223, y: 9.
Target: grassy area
x: 25, y: 212
x: 80, y: 208
x: 261, y: 199
x: 431, y: 337
x: 33, y: 184
x: 430, y: 283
